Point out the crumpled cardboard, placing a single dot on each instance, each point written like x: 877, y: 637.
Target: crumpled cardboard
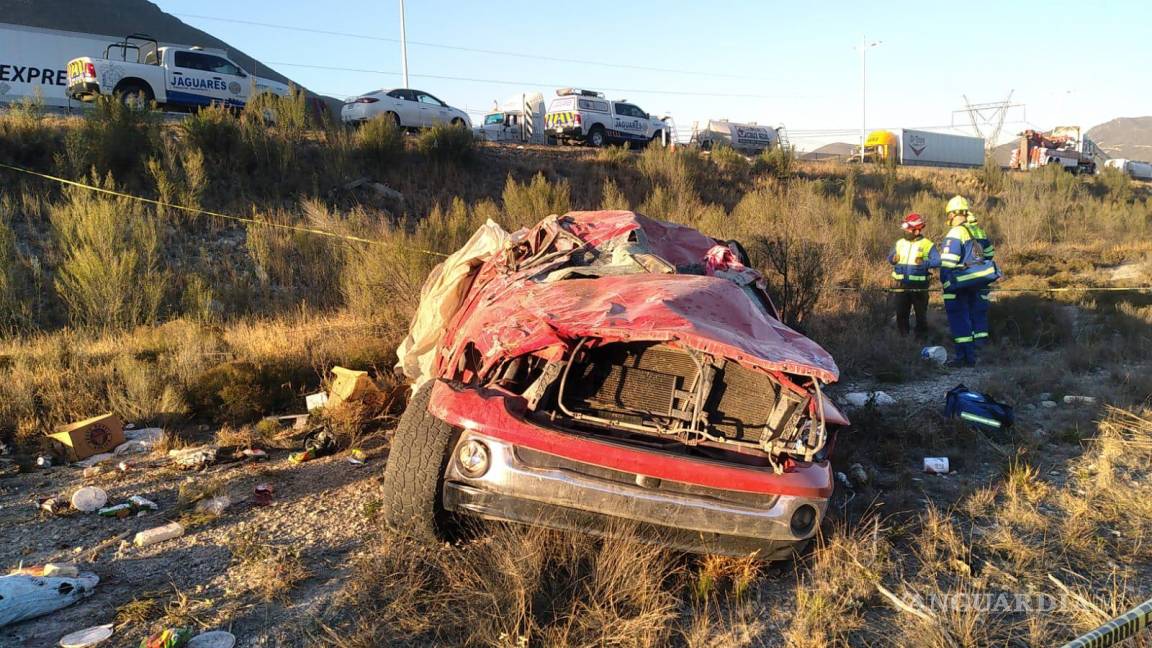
x: 83, y: 439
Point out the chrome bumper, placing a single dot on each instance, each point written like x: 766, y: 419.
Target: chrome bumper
x: 596, y: 501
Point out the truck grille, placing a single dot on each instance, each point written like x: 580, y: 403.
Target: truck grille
x: 640, y: 384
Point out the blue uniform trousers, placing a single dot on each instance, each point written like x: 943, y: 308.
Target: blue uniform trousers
x: 980, y: 317
x: 961, y: 306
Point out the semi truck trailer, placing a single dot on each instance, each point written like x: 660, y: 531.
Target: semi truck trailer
x: 922, y: 148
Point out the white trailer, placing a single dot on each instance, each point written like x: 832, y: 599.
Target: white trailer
x: 34, y: 61
x: 1138, y: 170
x: 928, y: 148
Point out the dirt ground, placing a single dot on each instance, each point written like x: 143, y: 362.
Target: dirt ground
x: 323, y: 512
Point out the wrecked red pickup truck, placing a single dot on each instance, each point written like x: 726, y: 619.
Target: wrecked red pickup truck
x: 605, y: 367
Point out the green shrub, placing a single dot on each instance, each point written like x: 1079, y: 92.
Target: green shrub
x: 992, y: 176
x: 111, y: 276
x: 778, y: 161
x: 614, y: 156
x: 215, y: 132
x: 528, y: 203
x: 114, y: 139
x: 25, y: 139
x: 729, y: 160
x: 379, y: 140
x: 447, y: 143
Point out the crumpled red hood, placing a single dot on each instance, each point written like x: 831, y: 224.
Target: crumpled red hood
x: 706, y: 313
x: 515, y: 314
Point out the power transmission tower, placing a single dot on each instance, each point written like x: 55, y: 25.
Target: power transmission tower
x: 987, y: 119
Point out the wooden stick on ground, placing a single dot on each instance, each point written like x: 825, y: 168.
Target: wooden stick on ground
x: 1104, y: 616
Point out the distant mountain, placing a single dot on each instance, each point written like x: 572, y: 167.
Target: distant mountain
x: 834, y: 150
x: 1125, y: 137
x: 119, y: 18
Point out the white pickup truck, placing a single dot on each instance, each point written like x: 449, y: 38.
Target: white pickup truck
x: 139, y: 71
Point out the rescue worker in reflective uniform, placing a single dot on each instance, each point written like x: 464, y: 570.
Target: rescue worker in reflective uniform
x: 912, y: 258
x: 980, y: 313
x: 964, y: 274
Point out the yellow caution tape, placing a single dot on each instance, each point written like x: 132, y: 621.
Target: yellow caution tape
x: 196, y: 210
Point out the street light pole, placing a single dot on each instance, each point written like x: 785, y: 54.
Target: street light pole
x: 403, y: 46
x: 864, y: 45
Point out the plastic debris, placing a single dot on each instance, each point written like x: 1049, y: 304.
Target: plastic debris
x: 262, y: 495
x: 56, y: 570
x: 95, y: 459
x: 193, y: 458
x: 89, y: 499
x: 861, y: 399
x: 1079, y: 400
x: 255, y: 454
x: 1048, y: 404
x: 936, y: 465
x: 158, y: 534
x: 140, y: 441
x: 315, y: 401
x: 133, y: 506
x: 214, y: 505
x: 171, y: 638
x: 53, y: 505
x: 213, y: 639
x: 26, y: 597
x: 88, y: 637
x: 301, y: 457
x: 937, y: 354
x: 44, y: 461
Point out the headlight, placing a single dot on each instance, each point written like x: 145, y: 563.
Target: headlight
x: 473, y: 458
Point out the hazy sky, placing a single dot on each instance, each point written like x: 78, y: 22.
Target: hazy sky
x: 796, y: 63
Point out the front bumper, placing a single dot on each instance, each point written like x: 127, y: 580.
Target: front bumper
x: 556, y: 487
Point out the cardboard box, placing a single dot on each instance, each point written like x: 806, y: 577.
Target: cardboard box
x: 85, y: 438
x: 350, y: 386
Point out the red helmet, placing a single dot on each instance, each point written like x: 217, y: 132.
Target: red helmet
x: 912, y: 223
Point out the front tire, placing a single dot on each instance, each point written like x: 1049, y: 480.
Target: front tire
x: 414, y: 477
x: 395, y: 119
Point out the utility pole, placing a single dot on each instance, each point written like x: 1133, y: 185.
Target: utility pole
x: 403, y: 46
x: 864, y: 45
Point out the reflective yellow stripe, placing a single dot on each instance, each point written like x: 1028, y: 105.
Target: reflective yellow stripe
x: 976, y: 275
x: 949, y: 264
x: 979, y: 335
x: 962, y: 340
x: 949, y: 296
x: 968, y: 416
x: 897, y: 276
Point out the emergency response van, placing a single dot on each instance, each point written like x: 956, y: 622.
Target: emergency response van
x: 586, y: 116
x: 139, y: 71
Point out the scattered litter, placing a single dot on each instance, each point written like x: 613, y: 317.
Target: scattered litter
x: 158, y: 534
x: 858, y: 474
x: 171, y: 638
x: 53, y: 505
x: 85, y: 438
x: 89, y: 498
x: 351, y: 386
x: 25, y: 597
x: 193, y: 458
x: 213, y: 639
x: 861, y: 399
x: 134, y: 506
x: 315, y: 401
x: 301, y: 457
x: 1079, y: 400
x: 44, y: 461
x: 1048, y: 404
x: 95, y: 460
x: 123, y: 466
x: 296, y: 421
x: 214, y: 505
x: 55, y: 570
x: 937, y: 354
x: 255, y: 453
x: 93, y: 471
x: 262, y: 495
x: 87, y: 637
x: 357, y: 457
x: 140, y: 441
x: 321, y: 443
x: 936, y: 465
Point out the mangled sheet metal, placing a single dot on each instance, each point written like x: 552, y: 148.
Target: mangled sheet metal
x: 612, y: 275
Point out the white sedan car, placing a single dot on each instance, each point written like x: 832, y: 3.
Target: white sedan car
x: 408, y: 108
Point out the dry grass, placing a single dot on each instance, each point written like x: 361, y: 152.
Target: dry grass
x: 267, y: 570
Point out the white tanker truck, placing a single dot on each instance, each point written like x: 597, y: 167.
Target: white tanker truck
x: 750, y: 138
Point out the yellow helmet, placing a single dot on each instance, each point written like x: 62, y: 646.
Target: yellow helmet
x: 957, y: 204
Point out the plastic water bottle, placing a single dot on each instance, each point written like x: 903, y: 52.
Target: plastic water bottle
x: 158, y: 534
x: 937, y: 354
